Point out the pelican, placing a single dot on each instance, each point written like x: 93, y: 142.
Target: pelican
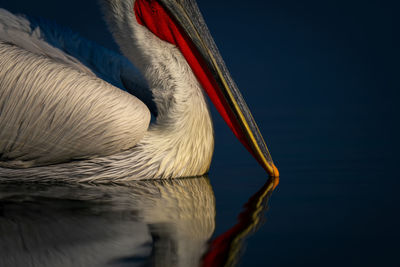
x: 72, y: 110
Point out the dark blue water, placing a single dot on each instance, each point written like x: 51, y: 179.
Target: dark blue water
x: 321, y: 79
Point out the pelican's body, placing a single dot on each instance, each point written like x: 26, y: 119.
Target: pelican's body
x: 63, y: 114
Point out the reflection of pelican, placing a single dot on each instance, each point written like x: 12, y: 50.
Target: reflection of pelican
x: 166, y: 223
x: 59, y: 118
x: 163, y: 223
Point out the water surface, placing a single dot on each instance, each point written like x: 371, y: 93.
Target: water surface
x: 150, y: 223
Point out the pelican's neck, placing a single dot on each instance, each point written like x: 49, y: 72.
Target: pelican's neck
x: 181, y: 139
x: 180, y: 142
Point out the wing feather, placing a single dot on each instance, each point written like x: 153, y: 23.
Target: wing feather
x: 41, y: 36
x: 55, y: 109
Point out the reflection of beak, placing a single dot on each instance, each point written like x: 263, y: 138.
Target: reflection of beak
x: 225, y: 249
x: 181, y: 23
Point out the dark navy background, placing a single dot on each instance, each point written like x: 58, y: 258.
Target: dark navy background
x: 322, y: 81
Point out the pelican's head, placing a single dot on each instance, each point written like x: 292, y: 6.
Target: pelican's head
x: 180, y: 23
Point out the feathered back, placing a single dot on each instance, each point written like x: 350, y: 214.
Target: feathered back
x: 55, y: 109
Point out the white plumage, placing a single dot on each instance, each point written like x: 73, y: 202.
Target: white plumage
x: 58, y: 115
x: 52, y: 113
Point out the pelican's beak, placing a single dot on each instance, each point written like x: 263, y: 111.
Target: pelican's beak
x: 181, y: 23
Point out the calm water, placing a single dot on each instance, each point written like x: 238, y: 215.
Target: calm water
x: 152, y: 223
x: 321, y: 78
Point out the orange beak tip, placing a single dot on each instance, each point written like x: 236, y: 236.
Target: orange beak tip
x: 275, y: 176
x: 275, y: 171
